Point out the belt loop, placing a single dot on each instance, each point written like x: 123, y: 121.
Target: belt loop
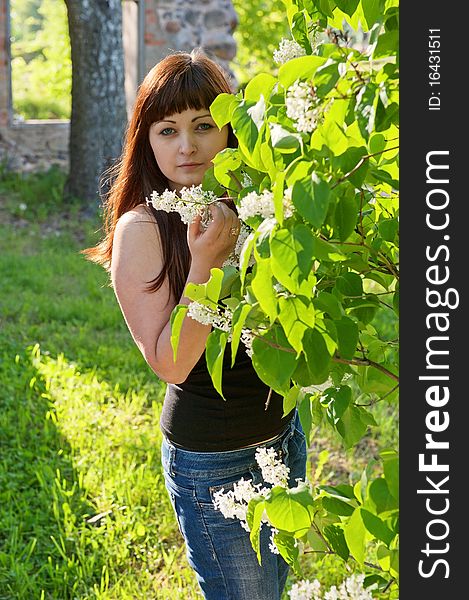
x: 172, y: 456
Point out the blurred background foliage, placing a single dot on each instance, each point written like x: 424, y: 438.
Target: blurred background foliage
x: 262, y: 24
x: 41, y: 61
x: 41, y: 67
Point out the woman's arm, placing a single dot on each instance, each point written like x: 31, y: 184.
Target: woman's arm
x: 137, y: 259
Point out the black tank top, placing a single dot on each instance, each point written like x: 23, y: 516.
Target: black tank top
x: 197, y: 418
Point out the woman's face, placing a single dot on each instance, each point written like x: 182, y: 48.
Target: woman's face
x: 184, y: 145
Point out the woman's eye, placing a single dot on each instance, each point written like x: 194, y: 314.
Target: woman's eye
x: 167, y: 131
x: 204, y: 126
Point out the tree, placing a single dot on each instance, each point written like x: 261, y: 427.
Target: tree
x: 98, y: 97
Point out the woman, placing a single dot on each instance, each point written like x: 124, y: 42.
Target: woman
x: 208, y: 443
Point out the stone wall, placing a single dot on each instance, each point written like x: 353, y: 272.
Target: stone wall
x: 168, y: 25
x: 184, y: 24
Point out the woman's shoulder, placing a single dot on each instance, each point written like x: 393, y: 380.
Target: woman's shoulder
x: 137, y: 214
x: 136, y: 232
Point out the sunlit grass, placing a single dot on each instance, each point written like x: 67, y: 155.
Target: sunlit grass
x: 84, y: 513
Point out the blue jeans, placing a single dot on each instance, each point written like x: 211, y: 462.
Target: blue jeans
x: 219, y: 549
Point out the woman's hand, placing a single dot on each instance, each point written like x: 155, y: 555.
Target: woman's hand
x: 210, y: 247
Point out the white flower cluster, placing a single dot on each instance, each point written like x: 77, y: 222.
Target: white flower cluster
x: 191, y: 201
x: 209, y: 316
x: 273, y: 470
x: 233, y: 504
x: 247, y: 337
x: 302, y: 106
x: 272, y: 547
x: 350, y: 589
x: 220, y: 319
x: 263, y: 204
x: 305, y: 590
x: 287, y: 49
x: 246, y: 181
x: 233, y: 258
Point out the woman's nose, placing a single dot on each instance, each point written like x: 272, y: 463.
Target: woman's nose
x: 187, y: 145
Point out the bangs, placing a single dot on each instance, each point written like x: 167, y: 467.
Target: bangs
x: 191, y: 86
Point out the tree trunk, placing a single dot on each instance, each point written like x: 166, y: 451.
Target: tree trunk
x: 98, y: 96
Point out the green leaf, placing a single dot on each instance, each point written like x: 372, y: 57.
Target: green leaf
x: 213, y: 287
x: 347, y: 334
x: 214, y: 351
x: 337, y: 401
x: 388, y: 560
x: 245, y: 255
x: 303, y: 67
x: 376, y: 527
x: 390, y: 460
x: 325, y: 6
x: 260, y: 85
x: 388, y: 44
x: 331, y: 132
x: 222, y: 108
x: 263, y: 290
x: 316, y: 541
x: 210, y: 182
x: 347, y: 6
x: 274, y: 366
x: 377, y: 143
x: 325, y: 78
x: 225, y: 161
x: 380, y: 496
x: 386, y: 116
x: 311, y: 199
x: 295, y: 316
x: 349, y: 162
x: 317, y: 356
x: 176, y: 321
x: 292, y: 258
x: 365, y: 108
x: 278, y: 196
x: 282, y: 139
x: 335, y: 536
x: 296, y: 170
x: 289, y: 550
x: 337, y: 507
x: 364, y: 309
x: 395, y: 302
x: 289, y: 509
x: 245, y: 128
x: 255, y: 511
x: 299, y: 31
x: 388, y: 229
x: 325, y: 251
x: 355, y: 536
x: 239, y: 318
x: 351, y: 426
x: 304, y: 412
x: 293, y: 397
x: 373, y: 11
x: 230, y: 276
x: 329, y: 304
x: 345, y: 216
x: 349, y: 284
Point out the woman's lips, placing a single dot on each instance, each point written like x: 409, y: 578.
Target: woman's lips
x: 190, y: 165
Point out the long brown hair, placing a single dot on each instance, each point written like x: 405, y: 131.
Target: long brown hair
x: 179, y: 82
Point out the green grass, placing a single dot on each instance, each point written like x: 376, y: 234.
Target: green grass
x: 84, y: 513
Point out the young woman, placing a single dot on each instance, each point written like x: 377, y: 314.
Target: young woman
x: 208, y: 443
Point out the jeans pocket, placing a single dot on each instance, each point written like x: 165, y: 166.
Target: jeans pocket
x: 252, y: 475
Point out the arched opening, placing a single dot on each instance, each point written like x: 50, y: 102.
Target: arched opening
x: 41, y: 66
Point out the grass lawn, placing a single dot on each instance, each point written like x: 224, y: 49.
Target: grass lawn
x: 84, y: 513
